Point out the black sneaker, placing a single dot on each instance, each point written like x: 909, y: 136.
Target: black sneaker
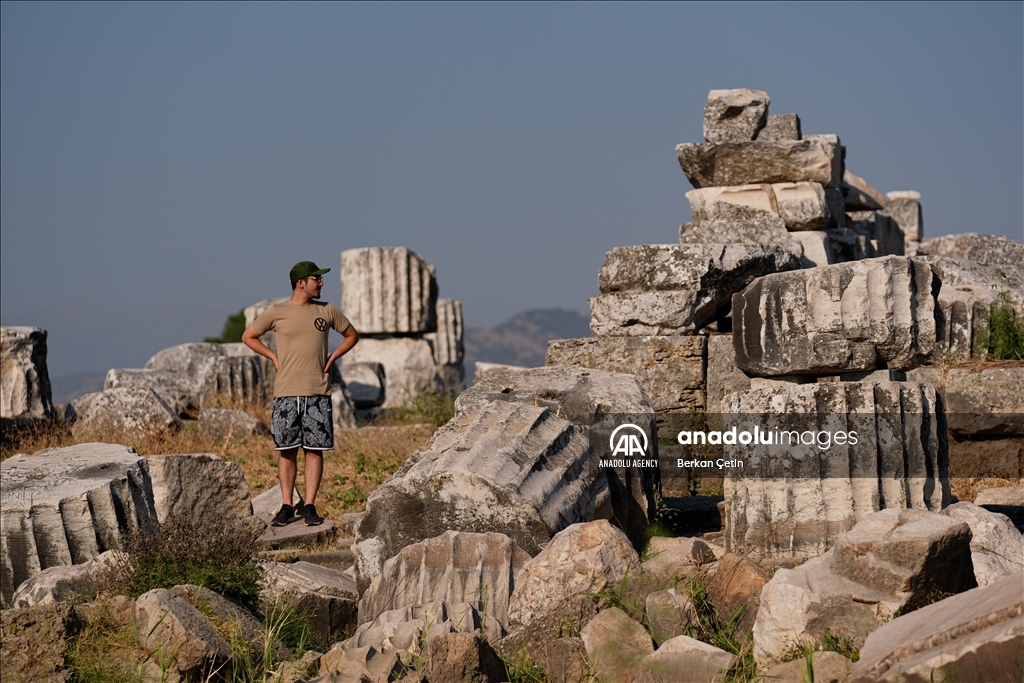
x: 284, y: 516
x: 309, y: 514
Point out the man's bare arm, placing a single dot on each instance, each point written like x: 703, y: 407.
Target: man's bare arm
x: 351, y: 337
x: 252, y: 340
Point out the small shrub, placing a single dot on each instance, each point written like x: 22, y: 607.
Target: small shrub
x: 712, y: 629
x: 205, y: 552
x: 520, y: 668
x: 106, y: 650
x: 834, y: 642
x: 294, y: 628
x: 1005, y: 332
x: 234, y: 326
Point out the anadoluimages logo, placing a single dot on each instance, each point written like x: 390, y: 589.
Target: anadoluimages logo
x: 628, y: 443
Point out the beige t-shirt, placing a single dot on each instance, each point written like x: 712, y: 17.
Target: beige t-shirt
x: 302, y: 333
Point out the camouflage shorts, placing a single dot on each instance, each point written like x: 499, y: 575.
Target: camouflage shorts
x: 305, y: 421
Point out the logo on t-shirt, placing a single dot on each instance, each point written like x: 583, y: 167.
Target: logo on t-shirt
x: 320, y: 324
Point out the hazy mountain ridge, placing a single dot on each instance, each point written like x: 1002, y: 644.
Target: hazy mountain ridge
x: 523, y: 338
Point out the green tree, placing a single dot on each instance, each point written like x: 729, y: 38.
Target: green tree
x: 234, y: 326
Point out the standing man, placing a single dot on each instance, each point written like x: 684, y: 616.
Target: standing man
x: 302, y: 407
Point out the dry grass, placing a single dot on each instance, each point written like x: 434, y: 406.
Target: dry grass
x: 361, y: 461
x: 965, y: 489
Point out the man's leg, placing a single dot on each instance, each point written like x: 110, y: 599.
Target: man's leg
x: 287, y: 468
x: 314, y: 472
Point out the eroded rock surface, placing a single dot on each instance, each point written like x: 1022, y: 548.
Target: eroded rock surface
x: 893, y: 561
x: 388, y: 290
x: 974, y: 636
x: 584, y: 558
x: 841, y: 318
x: 502, y: 467
x: 735, y: 115
x: 456, y: 567
x: 656, y: 289
x: 65, y: 506
x: 24, y: 379
x: 793, y: 499
x: 812, y: 159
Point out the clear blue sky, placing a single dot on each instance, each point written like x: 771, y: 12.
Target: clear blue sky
x: 164, y: 164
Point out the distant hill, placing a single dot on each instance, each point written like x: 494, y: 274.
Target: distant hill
x: 523, y: 339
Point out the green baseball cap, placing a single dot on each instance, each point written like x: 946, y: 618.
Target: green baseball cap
x: 304, y: 269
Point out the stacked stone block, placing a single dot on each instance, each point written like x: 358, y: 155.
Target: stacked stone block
x: 390, y: 295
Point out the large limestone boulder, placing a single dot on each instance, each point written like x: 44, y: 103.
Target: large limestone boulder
x: 366, y: 383
x: 702, y: 663
x: 735, y: 115
x: 780, y: 127
x: 893, y: 561
x: 409, y: 368
x: 723, y: 377
x: 969, y: 289
x: 989, y: 400
x: 65, y: 583
x: 388, y: 290
x: 377, y: 649
x: 974, y: 636
x: 717, y: 203
x: 738, y: 224
x: 814, y: 159
x: 801, y: 206
x: 447, y: 344
x: 178, y: 636
x: 615, y: 645
x: 860, y: 196
x: 483, y: 370
x: 24, y: 379
x: 121, y: 411
x: 240, y: 620
x: 503, y: 467
x: 881, y: 232
x: 219, y: 424
x: 328, y: 597
x: 658, y: 289
x: 988, y: 250
x: 845, y: 317
x: 859, y: 447
x: 591, y: 400
x: 448, y: 341
x: 904, y: 206
x: 584, y: 558
x: 190, y: 377
x: 456, y: 567
x: 181, y: 393
x: 184, y: 359
x: 671, y: 368
x: 997, y: 548
x: 669, y: 614
x: 1005, y: 500
x: 66, y: 506
x: 196, y: 486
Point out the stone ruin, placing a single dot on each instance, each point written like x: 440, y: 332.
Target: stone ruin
x: 390, y: 295
x: 796, y: 272
x: 798, y: 292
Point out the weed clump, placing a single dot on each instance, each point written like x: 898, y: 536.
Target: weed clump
x: 1005, y: 332
x: 432, y: 409
x: 204, y: 552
